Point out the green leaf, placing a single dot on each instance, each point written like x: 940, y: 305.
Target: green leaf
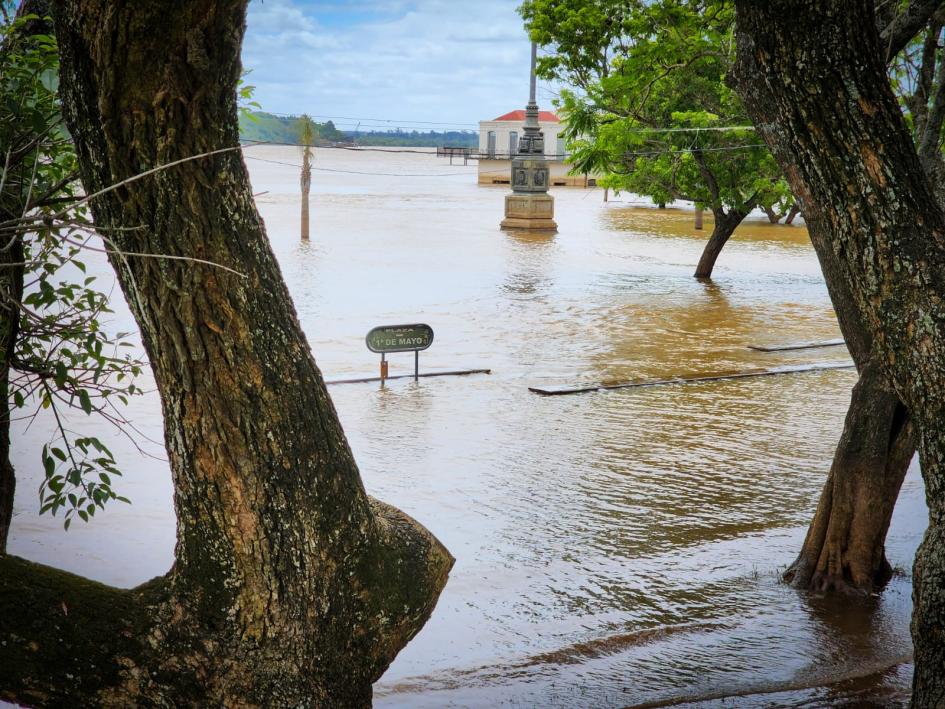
x: 85, y: 401
x: 49, y: 464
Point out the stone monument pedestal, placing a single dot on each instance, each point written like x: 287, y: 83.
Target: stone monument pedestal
x: 534, y: 212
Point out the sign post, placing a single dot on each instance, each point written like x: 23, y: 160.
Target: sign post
x: 400, y: 338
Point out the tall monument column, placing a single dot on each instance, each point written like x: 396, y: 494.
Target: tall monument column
x: 530, y: 206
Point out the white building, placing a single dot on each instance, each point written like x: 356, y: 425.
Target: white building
x: 498, y: 140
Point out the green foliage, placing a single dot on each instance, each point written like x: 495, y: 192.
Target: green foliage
x: 305, y: 130
x: 426, y: 139
x: 638, y: 68
x: 62, y: 359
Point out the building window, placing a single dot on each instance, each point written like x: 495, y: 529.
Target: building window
x: 490, y: 144
x: 559, y: 149
x: 513, y: 143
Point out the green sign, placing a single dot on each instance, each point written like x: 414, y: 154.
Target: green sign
x: 399, y: 338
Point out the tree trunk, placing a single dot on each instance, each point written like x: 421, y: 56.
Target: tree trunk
x: 291, y: 586
x: 11, y: 291
x: 698, y: 223
x: 845, y: 545
x: 773, y: 216
x: 306, y: 183
x: 724, y: 227
x: 12, y: 206
x: 792, y: 214
x: 850, y: 161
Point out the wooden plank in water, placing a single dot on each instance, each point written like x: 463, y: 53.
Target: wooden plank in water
x: 796, y: 346
x: 454, y: 373
x: 790, y: 369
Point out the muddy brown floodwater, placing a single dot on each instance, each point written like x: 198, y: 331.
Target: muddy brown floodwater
x: 613, y: 549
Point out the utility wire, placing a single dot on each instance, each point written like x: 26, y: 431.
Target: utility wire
x: 388, y: 121
x: 352, y: 148
x: 356, y: 172
x: 646, y: 153
x: 380, y: 149
x: 392, y: 122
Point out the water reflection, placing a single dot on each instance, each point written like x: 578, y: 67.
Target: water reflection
x: 528, y: 260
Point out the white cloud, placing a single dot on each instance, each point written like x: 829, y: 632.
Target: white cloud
x: 428, y: 60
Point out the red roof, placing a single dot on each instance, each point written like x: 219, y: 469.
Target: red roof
x: 519, y: 115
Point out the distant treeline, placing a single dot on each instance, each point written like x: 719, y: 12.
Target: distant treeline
x: 266, y: 127
x: 269, y: 128
x: 453, y: 138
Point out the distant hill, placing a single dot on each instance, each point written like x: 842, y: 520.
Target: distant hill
x: 269, y: 128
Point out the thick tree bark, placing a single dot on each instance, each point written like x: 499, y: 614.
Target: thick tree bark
x: 291, y: 586
x: 851, y: 163
x: 724, y: 227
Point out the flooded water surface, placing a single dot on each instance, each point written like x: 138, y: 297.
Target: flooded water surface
x: 613, y: 549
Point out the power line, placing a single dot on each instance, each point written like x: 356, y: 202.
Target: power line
x: 359, y: 149
x: 697, y: 150
x: 400, y: 124
x: 352, y: 148
x: 357, y: 172
x: 689, y: 130
x: 387, y: 121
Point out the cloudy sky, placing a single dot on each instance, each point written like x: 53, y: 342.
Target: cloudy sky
x: 445, y: 62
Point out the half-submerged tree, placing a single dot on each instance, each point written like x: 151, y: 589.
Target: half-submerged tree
x: 306, y: 132
x: 845, y: 546
x: 813, y: 76
x: 291, y: 587
x: 653, y: 114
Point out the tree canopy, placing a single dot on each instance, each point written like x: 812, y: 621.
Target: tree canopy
x: 647, y: 104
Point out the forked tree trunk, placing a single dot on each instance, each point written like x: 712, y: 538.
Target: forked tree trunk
x: 850, y: 161
x: 724, y: 227
x: 773, y: 216
x: 291, y: 587
x: 306, y: 184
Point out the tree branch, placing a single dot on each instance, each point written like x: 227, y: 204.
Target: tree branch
x: 895, y: 35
